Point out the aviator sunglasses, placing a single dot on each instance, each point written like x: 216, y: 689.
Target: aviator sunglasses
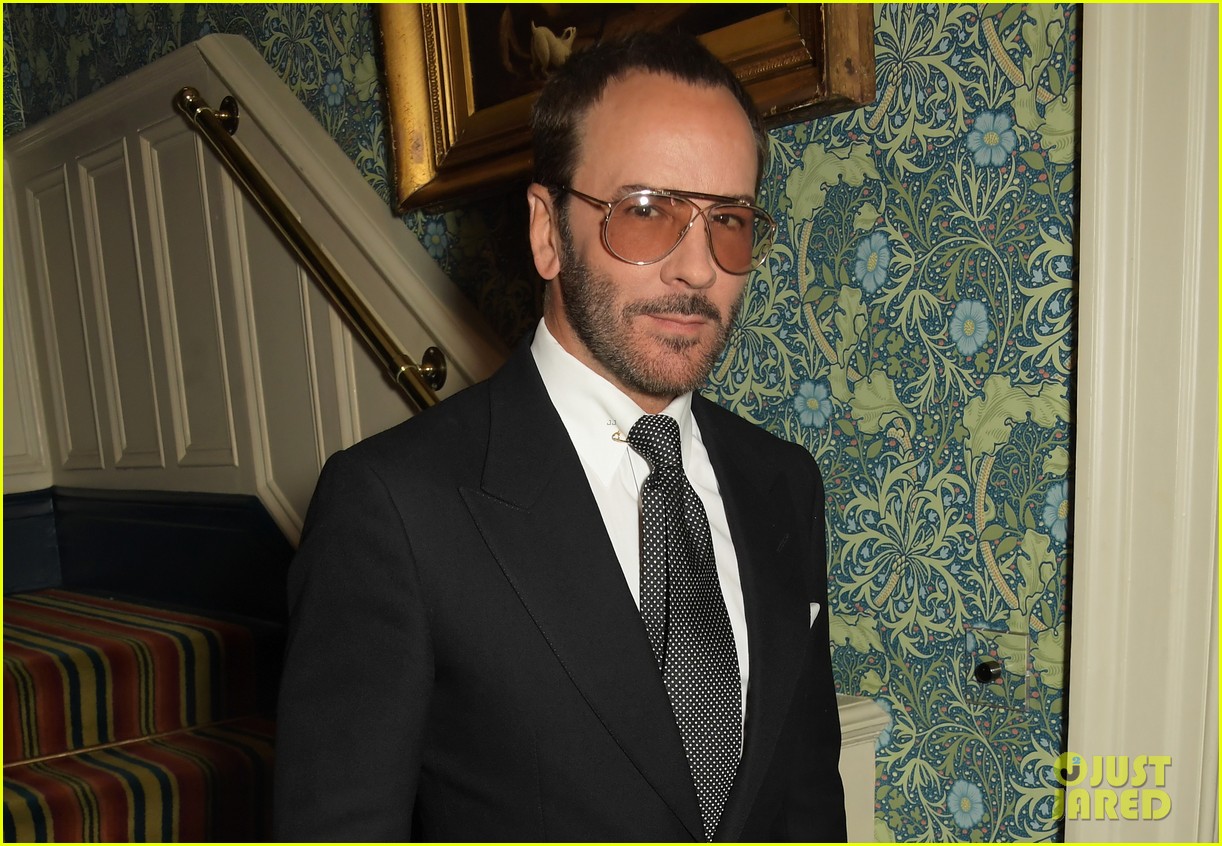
x: 645, y: 226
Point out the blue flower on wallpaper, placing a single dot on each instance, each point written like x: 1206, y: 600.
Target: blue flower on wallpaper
x: 436, y: 238
x: 120, y: 21
x: 969, y: 327
x: 884, y: 736
x: 1056, y: 510
x: 333, y: 88
x: 965, y: 803
x: 813, y: 404
x: 991, y: 140
x: 873, y: 259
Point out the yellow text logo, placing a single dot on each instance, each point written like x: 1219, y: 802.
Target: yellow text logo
x: 1112, y: 787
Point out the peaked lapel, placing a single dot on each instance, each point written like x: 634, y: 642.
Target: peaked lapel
x: 541, y: 522
x: 762, y: 523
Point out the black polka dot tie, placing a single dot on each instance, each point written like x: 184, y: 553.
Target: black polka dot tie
x: 685, y: 617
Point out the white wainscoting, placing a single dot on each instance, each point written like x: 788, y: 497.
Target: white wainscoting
x: 158, y: 335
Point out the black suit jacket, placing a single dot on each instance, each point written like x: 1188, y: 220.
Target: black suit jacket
x: 466, y: 662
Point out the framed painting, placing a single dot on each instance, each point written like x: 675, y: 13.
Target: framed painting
x: 461, y: 78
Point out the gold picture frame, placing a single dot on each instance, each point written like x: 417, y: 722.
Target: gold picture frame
x: 798, y: 61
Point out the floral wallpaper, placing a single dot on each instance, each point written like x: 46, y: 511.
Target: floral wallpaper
x: 913, y: 329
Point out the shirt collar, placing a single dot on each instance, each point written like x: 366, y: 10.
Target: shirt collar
x: 592, y: 409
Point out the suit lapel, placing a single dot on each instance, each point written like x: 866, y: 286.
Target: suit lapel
x: 760, y: 514
x: 542, y: 524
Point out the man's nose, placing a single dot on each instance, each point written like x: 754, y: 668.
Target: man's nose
x: 692, y: 263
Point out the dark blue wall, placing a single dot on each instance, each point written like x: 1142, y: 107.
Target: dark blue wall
x: 216, y: 552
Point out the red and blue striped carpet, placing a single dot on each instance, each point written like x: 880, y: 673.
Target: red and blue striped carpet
x: 128, y: 722
x: 201, y: 784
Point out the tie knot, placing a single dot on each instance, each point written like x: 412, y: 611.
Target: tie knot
x: 656, y: 438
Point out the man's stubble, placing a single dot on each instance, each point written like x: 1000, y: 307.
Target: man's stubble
x: 606, y: 329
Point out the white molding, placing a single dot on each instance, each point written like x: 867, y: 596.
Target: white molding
x: 123, y: 452
x: 27, y: 467
x: 860, y: 718
x: 315, y: 377
x: 1145, y: 513
x: 157, y: 143
x: 70, y: 455
x: 861, y: 722
x: 278, y: 507
x: 345, y: 378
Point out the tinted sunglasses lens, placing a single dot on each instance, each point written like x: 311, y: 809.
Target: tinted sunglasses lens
x: 741, y: 237
x: 644, y: 227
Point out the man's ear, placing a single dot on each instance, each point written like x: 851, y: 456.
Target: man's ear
x: 544, y: 231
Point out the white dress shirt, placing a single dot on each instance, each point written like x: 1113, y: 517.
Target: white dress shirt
x: 593, y: 410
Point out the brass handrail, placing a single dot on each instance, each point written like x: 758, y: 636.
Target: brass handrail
x: 418, y: 381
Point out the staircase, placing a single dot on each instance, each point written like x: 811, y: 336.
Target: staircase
x: 129, y: 722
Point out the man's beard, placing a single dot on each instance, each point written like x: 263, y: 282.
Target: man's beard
x: 589, y: 304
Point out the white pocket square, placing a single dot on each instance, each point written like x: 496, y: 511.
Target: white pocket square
x: 814, y: 612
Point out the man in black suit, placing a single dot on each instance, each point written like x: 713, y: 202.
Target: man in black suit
x: 484, y: 645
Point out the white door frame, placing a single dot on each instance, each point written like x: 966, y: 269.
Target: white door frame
x: 1143, y: 621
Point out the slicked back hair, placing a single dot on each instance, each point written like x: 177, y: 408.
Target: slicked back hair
x: 579, y: 83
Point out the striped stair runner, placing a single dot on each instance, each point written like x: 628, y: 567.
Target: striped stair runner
x: 83, y: 670
x: 128, y: 722
x: 202, y: 784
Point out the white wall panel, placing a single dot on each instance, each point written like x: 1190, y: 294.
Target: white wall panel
x: 183, y: 240
x: 325, y: 334
x: 284, y: 374
x: 123, y: 326
x: 173, y: 327
x: 379, y: 404
x: 345, y: 386
x: 52, y: 260
x: 22, y: 447
x: 26, y: 461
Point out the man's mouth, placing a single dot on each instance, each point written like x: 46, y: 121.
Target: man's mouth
x: 680, y: 319
x: 679, y: 310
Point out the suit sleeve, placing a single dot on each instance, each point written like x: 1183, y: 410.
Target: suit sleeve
x: 815, y: 804
x: 358, y: 668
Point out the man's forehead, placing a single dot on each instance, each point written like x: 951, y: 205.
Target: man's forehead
x: 650, y: 130
x: 639, y: 91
